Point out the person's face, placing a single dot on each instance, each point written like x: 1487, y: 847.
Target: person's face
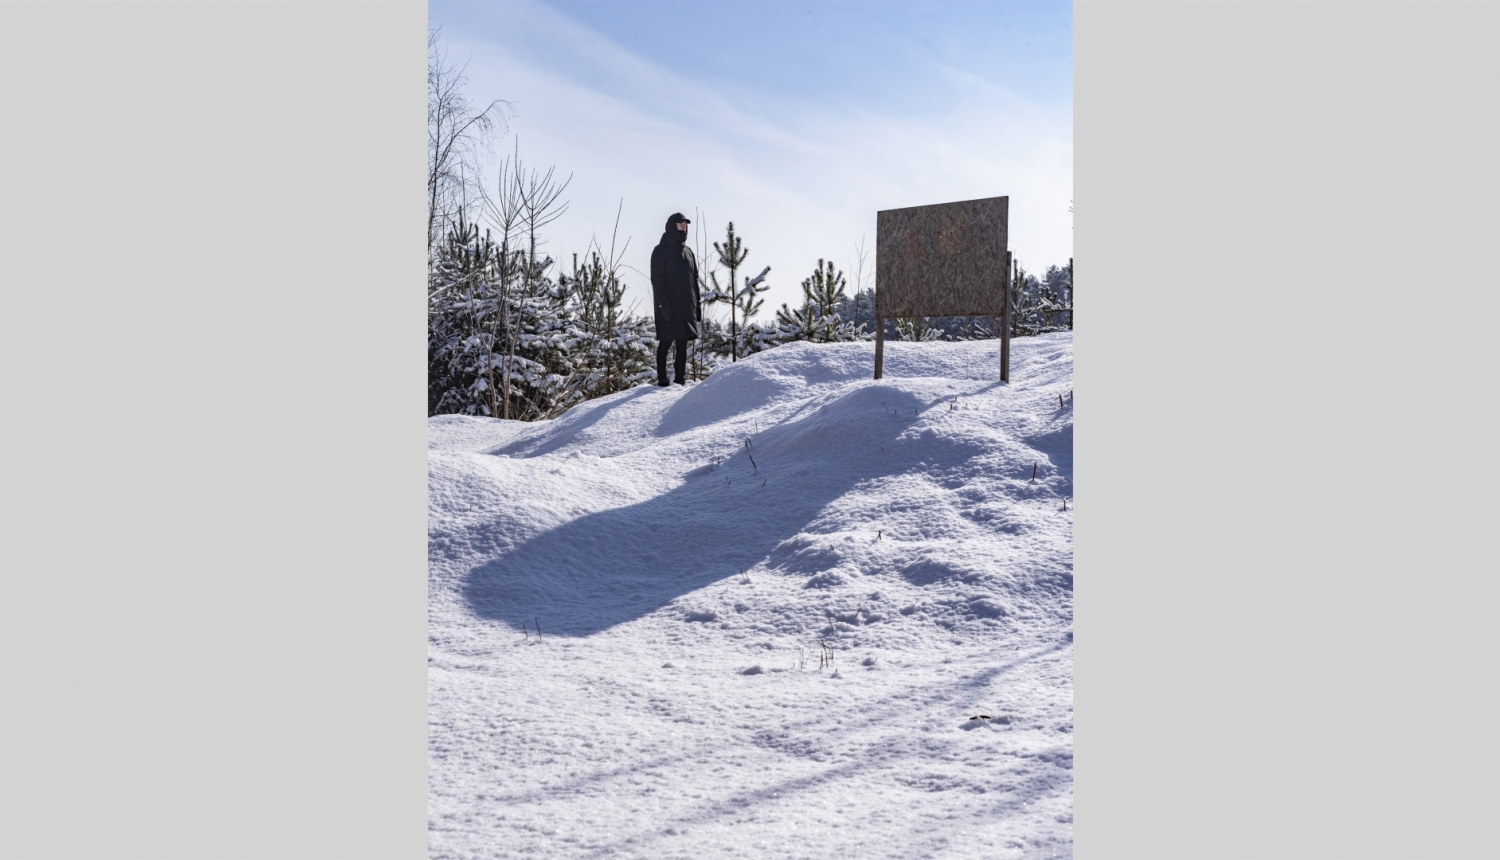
x: 682, y: 225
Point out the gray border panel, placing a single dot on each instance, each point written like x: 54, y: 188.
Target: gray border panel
x: 212, y: 606
x: 1286, y: 591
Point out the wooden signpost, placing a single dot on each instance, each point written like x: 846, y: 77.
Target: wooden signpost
x: 943, y: 260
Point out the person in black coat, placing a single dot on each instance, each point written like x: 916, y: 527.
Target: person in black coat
x: 674, y: 290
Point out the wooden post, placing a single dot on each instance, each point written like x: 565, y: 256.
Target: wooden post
x: 879, y: 345
x: 1005, y: 321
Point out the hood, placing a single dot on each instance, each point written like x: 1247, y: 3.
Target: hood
x: 671, y: 232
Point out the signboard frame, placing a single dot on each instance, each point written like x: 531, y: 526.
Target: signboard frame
x: 944, y: 259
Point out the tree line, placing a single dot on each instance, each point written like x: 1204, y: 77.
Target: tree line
x: 514, y: 333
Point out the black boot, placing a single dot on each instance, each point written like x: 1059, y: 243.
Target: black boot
x: 679, y: 363
x: 661, y: 363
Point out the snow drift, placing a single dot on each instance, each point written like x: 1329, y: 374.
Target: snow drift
x: 754, y: 617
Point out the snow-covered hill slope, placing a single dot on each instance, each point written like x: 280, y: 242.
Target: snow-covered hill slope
x: 769, y: 605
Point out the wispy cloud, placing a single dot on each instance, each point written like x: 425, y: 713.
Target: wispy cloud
x: 802, y: 180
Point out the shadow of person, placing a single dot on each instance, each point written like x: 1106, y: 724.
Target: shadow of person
x: 613, y: 566
x: 567, y: 429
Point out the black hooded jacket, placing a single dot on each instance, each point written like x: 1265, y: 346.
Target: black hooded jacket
x: 674, y: 286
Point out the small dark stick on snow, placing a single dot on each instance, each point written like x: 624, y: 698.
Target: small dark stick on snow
x: 538, y: 628
x: 1065, y: 504
x: 525, y: 629
x: 1060, y: 402
x: 1033, y: 473
x: 752, y: 461
x: 877, y: 534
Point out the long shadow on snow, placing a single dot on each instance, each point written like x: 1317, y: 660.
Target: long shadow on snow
x: 865, y: 771
x: 566, y: 428
x: 614, y: 566
x: 703, y: 404
x: 875, y: 714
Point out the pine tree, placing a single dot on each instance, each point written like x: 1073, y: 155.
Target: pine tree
x: 731, y: 255
x: 1035, y: 307
x: 749, y: 302
x: 617, y: 350
x: 1058, y: 283
x: 818, y: 319
x: 544, y: 358
x: 462, y: 332
x: 918, y: 329
x: 858, y: 309
x: 505, y: 340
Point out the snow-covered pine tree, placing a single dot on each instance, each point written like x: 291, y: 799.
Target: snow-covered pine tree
x: 1058, y: 282
x: 973, y: 328
x: 758, y: 337
x: 504, y: 339
x: 750, y: 337
x: 1035, y: 309
x: 712, y: 348
x: 742, y: 302
x: 918, y: 329
x: 818, y: 319
x: 465, y: 323
x: 858, y: 309
x: 731, y: 253
x: 594, y: 291
x: 548, y: 347
x: 616, y: 350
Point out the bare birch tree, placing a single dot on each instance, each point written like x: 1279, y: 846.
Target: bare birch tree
x: 458, y: 135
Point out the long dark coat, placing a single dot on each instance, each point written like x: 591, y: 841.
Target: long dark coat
x: 674, y: 287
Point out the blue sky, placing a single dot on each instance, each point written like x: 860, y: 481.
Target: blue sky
x: 796, y: 120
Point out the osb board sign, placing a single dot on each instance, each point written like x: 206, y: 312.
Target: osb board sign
x: 943, y: 260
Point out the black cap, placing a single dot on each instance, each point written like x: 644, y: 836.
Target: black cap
x: 678, y: 217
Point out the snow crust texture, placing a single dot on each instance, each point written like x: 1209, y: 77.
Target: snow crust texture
x: 755, y: 617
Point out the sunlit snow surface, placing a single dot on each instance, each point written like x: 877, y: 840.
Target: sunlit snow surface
x: 674, y: 704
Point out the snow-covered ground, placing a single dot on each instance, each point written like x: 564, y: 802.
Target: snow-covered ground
x: 691, y: 555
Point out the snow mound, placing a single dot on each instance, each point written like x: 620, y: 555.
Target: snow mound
x: 792, y: 515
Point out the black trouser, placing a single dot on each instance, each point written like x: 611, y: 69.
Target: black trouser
x: 679, y: 363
